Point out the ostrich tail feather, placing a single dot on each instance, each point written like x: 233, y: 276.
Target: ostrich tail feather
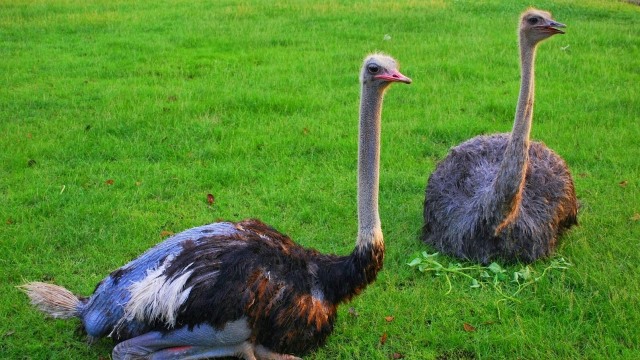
x: 53, y: 300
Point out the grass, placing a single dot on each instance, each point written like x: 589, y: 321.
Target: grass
x: 117, y: 118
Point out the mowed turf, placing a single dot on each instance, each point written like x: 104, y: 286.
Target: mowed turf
x: 118, y: 118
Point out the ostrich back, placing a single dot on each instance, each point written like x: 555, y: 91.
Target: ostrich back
x: 456, y: 201
x: 218, y: 274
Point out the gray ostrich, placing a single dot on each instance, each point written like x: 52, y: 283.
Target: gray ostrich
x: 238, y: 289
x: 502, y: 197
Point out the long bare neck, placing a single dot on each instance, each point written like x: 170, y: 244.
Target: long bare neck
x: 342, y: 277
x: 519, y: 140
x: 369, y: 229
x: 509, y: 183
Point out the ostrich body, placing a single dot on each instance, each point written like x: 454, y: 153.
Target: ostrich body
x: 502, y: 197
x: 238, y: 289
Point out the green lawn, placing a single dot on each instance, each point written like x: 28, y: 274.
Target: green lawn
x: 117, y: 118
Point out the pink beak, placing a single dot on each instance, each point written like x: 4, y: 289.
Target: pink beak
x: 394, y: 76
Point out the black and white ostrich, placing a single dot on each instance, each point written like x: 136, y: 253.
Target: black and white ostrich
x: 502, y: 197
x: 238, y: 289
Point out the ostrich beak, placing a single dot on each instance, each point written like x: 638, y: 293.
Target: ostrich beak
x: 553, y: 25
x: 394, y: 76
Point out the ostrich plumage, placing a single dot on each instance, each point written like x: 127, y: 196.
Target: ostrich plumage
x: 238, y: 289
x: 503, y: 197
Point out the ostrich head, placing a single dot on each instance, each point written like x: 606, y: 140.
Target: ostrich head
x: 381, y: 70
x: 537, y: 25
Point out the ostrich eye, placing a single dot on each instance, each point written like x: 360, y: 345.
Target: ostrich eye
x: 373, y: 68
x: 533, y: 20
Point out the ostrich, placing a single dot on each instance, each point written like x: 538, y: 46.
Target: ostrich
x: 238, y: 289
x: 502, y: 197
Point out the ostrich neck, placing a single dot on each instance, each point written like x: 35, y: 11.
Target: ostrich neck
x: 342, y: 277
x: 369, y: 229
x: 519, y: 140
x: 507, y: 189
